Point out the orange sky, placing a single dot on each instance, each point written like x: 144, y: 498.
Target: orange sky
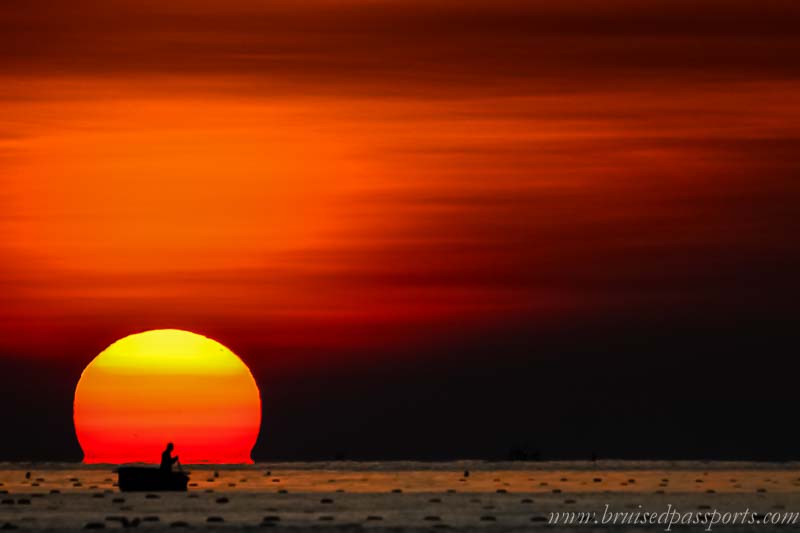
x: 378, y: 172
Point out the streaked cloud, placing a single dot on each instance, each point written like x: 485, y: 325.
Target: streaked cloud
x: 365, y: 169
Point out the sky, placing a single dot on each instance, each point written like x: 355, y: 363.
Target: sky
x: 418, y: 223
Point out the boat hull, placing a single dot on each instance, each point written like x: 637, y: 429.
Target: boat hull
x: 139, y: 478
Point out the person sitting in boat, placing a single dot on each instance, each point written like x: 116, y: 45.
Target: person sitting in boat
x: 166, y: 458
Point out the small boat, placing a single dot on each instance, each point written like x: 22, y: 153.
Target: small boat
x: 143, y: 478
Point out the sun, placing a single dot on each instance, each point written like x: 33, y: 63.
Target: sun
x: 162, y: 386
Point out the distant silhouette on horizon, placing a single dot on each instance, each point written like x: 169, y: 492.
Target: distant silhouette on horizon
x: 166, y: 458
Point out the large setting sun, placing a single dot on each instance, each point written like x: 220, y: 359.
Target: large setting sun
x: 167, y: 385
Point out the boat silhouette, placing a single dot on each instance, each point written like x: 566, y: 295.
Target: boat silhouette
x: 151, y: 479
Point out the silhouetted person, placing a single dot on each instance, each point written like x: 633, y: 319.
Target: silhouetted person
x: 166, y: 458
